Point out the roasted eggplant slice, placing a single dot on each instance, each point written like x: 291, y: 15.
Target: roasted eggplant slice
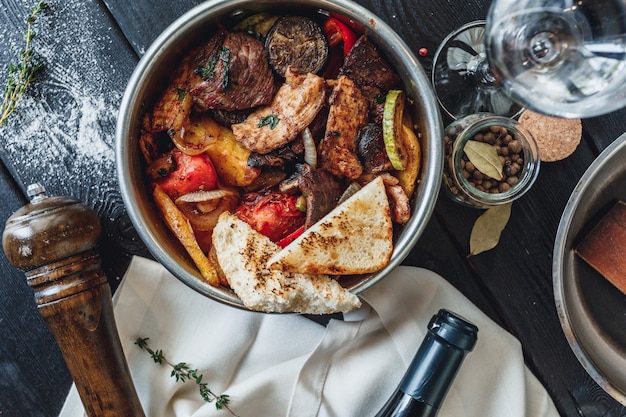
x: 371, y: 149
x: 322, y: 191
x: 298, y: 42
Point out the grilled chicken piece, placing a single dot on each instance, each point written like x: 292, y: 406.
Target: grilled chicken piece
x: 235, y: 73
x: 294, y: 107
x: 171, y: 112
x: 399, y: 203
x: 347, y: 114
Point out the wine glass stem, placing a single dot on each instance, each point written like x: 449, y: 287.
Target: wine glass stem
x: 478, y: 68
x: 544, y: 48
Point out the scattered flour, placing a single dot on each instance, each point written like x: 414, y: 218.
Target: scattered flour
x: 63, y: 132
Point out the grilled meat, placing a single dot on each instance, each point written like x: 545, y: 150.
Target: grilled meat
x: 366, y: 67
x: 172, y: 111
x: 294, y: 107
x: 347, y: 114
x: 234, y: 73
x: 283, y: 156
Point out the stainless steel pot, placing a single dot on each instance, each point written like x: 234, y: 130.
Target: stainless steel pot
x: 153, y: 71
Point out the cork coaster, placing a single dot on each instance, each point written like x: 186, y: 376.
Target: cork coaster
x: 557, y: 138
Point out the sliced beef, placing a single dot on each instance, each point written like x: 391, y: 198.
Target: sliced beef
x: 322, y: 191
x: 347, y: 114
x: 234, y: 73
x: 366, y: 67
x: 268, y: 179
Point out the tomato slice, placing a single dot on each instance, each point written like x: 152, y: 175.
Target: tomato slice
x: 192, y: 173
x: 274, y: 214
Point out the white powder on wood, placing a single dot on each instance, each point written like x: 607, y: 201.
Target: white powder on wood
x: 63, y: 132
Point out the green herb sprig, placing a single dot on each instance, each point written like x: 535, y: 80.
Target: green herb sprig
x: 23, y: 73
x: 270, y: 120
x: 182, y: 372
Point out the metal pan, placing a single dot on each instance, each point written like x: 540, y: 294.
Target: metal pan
x: 591, y: 310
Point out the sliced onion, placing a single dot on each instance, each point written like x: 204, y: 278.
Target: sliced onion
x: 194, y: 139
x: 310, y: 152
x: 204, y: 196
x: 349, y: 192
x: 203, y: 208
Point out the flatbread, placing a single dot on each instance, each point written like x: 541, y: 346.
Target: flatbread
x: 556, y: 138
x: 356, y: 237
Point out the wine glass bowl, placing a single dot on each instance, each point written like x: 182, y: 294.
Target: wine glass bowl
x: 462, y: 78
x: 559, y: 57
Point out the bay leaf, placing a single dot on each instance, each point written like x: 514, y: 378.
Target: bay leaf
x: 485, y: 158
x: 488, y: 228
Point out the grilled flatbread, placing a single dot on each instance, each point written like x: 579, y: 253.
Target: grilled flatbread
x: 354, y: 238
x: 243, y: 253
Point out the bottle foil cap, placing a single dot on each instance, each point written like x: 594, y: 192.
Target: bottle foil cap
x: 454, y: 329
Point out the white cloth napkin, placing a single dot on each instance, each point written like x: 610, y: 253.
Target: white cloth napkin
x: 287, y: 365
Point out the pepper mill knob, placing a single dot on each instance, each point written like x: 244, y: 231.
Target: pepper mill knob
x: 54, y: 240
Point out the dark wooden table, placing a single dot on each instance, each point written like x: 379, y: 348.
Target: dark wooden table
x: 62, y: 135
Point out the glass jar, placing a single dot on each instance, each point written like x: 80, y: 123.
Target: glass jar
x: 516, y: 151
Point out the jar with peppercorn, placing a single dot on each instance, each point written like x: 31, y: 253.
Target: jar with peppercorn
x: 489, y: 160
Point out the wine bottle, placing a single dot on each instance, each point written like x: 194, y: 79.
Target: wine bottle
x: 433, y: 368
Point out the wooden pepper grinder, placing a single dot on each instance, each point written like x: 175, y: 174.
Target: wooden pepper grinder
x: 53, y: 240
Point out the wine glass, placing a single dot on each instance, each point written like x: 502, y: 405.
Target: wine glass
x: 564, y: 58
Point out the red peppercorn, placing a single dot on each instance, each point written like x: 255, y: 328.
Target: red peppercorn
x: 423, y: 51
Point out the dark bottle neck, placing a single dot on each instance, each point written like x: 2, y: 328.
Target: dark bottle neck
x: 432, y: 371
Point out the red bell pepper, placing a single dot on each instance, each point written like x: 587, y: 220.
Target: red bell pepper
x: 336, y: 32
x: 291, y: 237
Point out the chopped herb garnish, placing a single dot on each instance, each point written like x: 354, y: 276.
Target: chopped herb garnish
x: 271, y: 121
x: 181, y: 93
x: 208, y: 71
x: 225, y: 57
x: 258, y: 35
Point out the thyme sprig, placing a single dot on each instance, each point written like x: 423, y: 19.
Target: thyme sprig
x: 23, y: 73
x: 182, y: 372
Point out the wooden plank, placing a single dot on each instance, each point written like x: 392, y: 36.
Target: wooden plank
x: 63, y: 133
x: 141, y: 22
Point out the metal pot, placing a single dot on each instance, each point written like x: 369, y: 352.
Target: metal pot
x: 154, y: 69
